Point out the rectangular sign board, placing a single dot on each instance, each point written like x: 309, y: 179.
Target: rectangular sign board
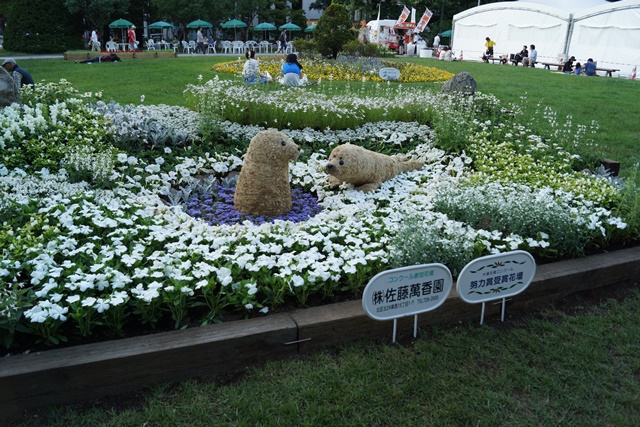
x: 496, y: 277
x: 406, y: 291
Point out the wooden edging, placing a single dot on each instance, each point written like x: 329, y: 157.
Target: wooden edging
x: 85, y: 372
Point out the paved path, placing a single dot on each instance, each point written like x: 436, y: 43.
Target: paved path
x: 61, y: 56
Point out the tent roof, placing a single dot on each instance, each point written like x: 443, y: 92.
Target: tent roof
x: 569, y: 5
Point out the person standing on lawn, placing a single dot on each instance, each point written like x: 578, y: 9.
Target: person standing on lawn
x: 131, y: 35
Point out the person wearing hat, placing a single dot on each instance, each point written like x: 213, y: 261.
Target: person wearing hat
x: 131, y: 34
x: 20, y: 76
x: 568, y: 66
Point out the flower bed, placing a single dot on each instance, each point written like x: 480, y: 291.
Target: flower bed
x: 96, y: 232
x: 347, y: 69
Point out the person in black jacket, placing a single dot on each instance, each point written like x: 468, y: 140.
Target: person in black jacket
x: 568, y: 66
x: 20, y: 76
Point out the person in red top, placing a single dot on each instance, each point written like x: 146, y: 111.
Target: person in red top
x: 131, y: 34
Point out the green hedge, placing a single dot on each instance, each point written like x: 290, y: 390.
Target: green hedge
x: 36, y: 26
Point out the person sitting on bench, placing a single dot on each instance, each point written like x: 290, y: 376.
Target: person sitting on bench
x: 518, y: 57
x: 590, y: 67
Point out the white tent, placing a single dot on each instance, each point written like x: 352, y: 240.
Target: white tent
x: 570, y: 6
x: 511, y: 25
x: 607, y: 32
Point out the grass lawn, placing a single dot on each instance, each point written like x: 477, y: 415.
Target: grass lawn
x: 611, y: 102
x: 574, y: 367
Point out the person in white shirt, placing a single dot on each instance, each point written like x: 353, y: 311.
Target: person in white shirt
x: 251, y: 70
x: 436, y: 41
x: 200, y: 41
x: 533, y: 56
x: 95, y: 44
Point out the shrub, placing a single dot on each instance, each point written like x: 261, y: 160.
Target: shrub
x: 305, y: 47
x: 51, y: 30
x: 334, y: 30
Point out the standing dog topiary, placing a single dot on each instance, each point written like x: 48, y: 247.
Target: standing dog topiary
x: 263, y: 185
x: 363, y: 168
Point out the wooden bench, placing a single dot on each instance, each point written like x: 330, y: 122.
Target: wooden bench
x: 608, y: 71
x: 548, y: 65
x: 493, y: 59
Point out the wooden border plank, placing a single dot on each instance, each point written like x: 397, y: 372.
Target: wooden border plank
x: 90, y: 371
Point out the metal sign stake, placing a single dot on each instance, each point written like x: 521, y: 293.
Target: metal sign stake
x: 482, y: 314
x: 415, y: 326
x: 395, y: 328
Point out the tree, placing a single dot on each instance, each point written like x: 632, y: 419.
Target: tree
x: 96, y: 13
x: 51, y: 30
x: 334, y: 30
x: 248, y: 10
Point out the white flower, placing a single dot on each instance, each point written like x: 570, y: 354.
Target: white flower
x: 253, y: 288
x: 88, y: 302
x: 101, y: 305
x: 297, y: 281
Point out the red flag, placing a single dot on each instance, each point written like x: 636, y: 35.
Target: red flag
x: 633, y: 73
x: 424, y: 21
x: 403, y: 16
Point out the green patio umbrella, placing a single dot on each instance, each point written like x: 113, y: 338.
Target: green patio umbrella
x: 289, y: 27
x: 310, y: 28
x: 265, y: 26
x: 120, y: 23
x: 446, y: 33
x: 199, y: 23
x: 235, y: 24
x: 160, y: 25
x: 123, y: 24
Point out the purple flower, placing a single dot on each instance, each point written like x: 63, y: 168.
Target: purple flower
x: 217, y: 208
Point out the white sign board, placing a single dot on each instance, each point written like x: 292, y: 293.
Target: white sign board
x: 496, y: 277
x: 389, y: 73
x: 406, y: 291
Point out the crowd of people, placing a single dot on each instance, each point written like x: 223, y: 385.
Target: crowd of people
x: 529, y: 57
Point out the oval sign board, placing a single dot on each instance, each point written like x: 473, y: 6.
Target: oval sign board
x: 389, y: 73
x: 496, y: 276
x: 406, y: 291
